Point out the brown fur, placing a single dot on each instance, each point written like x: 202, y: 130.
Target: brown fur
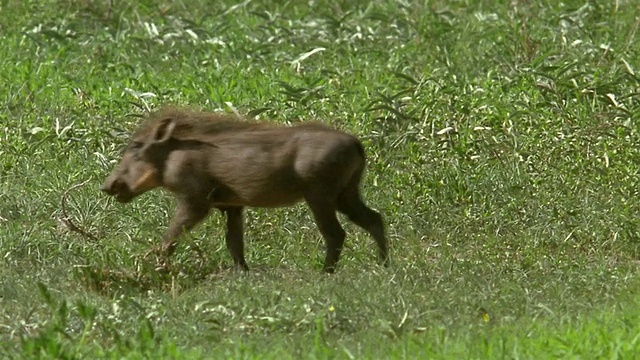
x: 211, y: 160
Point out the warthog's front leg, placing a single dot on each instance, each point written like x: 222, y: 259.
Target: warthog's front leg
x: 324, y: 214
x: 234, y: 237
x: 188, y: 214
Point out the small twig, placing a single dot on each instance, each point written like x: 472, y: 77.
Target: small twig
x: 107, y: 14
x: 66, y: 219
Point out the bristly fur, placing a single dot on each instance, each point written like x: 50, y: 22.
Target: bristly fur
x: 196, y: 125
x: 190, y: 122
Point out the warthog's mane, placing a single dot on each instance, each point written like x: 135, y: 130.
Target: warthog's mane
x: 204, y: 127
x: 190, y: 123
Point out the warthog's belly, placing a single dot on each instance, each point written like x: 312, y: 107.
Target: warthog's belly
x: 220, y: 197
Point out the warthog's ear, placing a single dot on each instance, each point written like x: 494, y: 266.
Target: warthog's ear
x: 163, y: 130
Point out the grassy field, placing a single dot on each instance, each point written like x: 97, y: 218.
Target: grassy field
x: 502, y: 151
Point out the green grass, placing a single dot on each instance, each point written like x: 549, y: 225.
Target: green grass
x: 502, y: 151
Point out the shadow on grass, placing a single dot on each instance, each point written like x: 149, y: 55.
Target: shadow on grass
x: 175, y: 274
x: 149, y: 273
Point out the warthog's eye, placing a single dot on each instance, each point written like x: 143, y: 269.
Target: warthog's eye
x: 135, y: 145
x: 135, y: 148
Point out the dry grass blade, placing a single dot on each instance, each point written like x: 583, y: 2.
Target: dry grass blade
x: 66, y: 219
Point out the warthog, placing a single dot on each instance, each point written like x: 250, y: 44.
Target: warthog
x: 211, y: 160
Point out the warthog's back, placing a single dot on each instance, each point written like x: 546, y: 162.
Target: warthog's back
x: 272, y: 166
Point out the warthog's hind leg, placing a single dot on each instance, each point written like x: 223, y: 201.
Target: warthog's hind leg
x: 350, y: 204
x: 234, y: 237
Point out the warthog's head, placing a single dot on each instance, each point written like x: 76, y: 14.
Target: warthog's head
x: 142, y: 163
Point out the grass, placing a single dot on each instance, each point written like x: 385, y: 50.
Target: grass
x: 501, y: 143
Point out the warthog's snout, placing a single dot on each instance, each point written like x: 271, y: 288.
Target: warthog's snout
x: 118, y: 189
